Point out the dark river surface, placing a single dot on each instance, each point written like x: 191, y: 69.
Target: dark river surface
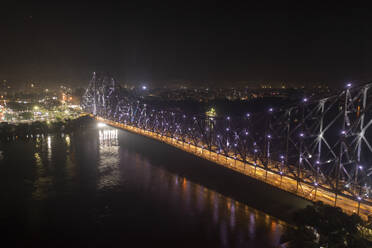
x: 103, y: 187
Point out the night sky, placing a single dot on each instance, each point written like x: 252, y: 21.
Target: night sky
x: 156, y: 43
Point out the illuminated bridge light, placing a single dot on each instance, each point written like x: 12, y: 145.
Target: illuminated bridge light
x: 100, y: 125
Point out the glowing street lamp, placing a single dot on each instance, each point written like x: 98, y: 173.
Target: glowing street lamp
x: 100, y: 125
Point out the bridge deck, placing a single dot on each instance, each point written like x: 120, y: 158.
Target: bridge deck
x: 255, y: 170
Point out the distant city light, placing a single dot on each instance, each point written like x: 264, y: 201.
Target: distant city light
x: 211, y: 113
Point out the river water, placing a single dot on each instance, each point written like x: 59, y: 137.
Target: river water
x: 102, y: 187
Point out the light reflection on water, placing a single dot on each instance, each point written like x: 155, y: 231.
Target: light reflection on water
x: 108, y: 164
x: 233, y: 219
x: 69, y: 164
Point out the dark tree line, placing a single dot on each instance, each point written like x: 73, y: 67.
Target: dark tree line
x: 322, y: 225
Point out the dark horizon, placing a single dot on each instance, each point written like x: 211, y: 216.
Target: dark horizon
x: 61, y: 42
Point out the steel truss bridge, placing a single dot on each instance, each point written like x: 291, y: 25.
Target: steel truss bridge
x: 319, y: 149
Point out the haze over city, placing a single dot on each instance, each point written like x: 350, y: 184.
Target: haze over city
x: 210, y: 43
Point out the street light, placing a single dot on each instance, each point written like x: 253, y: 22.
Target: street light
x: 100, y: 124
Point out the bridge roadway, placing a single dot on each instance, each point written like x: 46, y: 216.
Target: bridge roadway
x: 255, y: 170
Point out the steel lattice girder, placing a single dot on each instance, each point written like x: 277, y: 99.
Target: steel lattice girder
x: 324, y: 142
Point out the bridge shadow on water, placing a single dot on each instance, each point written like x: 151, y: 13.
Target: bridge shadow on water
x: 242, y: 188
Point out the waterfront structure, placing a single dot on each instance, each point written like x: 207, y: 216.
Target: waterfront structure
x: 319, y: 149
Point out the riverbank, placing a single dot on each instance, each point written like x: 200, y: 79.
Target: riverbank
x: 31, y: 130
